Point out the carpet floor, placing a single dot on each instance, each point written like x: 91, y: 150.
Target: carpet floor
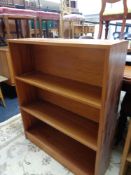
x: 18, y: 156
x: 10, y: 110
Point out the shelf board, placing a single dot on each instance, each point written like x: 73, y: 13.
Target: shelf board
x: 70, y: 153
x: 73, y: 125
x: 129, y: 157
x: 84, y: 93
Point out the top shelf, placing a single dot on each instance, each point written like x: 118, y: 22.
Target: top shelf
x: 77, y: 91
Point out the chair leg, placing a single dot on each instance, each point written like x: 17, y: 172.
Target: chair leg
x: 106, y: 29
x: 17, y: 27
x: 35, y: 27
x: 2, y: 98
x: 23, y: 28
x: 40, y: 26
x: 27, y: 29
x: 3, y: 28
x: 100, y: 29
x: 7, y: 27
x: 123, y: 28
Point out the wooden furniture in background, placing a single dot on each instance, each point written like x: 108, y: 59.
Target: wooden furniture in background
x: 83, y: 30
x: 7, y: 14
x: 106, y: 17
x: 47, y: 16
x: 69, y: 21
x: 2, y: 79
x: 6, y: 69
x: 68, y: 92
x: 89, y: 29
x: 126, y: 158
x: 6, y: 19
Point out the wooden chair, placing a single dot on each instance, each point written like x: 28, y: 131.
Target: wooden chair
x: 47, y: 16
x: 7, y: 14
x: 107, y: 16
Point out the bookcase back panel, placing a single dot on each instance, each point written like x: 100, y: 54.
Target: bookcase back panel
x: 28, y: 120
x: 28, y: 95
x: 81, y: 64
x: 22, y: 60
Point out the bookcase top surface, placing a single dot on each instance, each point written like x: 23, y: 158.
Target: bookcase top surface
x: 68, y: 42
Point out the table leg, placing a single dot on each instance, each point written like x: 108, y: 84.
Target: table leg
x: 40, y: 26
x: 2, y: 98
x: 17, y: 28
x: 106, y: 29
x: 7, y: 26
x: 35, y: 27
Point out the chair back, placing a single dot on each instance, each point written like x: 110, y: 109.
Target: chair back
x: 112, y: 2
x: 107, y: 17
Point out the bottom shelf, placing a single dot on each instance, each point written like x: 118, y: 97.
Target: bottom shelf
x: 75, y: 156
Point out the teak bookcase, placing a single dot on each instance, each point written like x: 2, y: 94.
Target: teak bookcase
x: 68, y: 92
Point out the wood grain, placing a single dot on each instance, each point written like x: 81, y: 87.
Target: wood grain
x: 66, y: 122
x: 60, y: 147
x: 112, y: 81
x: 80, y: 92
x: 79, y: 108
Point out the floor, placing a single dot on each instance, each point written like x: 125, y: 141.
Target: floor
x: 18, y: 156
x: 11, y: 109
x: 11, y: 101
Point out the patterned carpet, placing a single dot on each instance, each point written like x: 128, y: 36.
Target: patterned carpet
x: 18, y: 156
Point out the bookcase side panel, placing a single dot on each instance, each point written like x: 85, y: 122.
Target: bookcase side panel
x: 113, y: 74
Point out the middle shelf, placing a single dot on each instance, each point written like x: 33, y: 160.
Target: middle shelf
x: 84, y: 93
x: 77, y: 97
x: 79, y: 128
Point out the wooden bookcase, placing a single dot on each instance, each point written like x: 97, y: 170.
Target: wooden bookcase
x: 126, y: 157
x: 68, y: 92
